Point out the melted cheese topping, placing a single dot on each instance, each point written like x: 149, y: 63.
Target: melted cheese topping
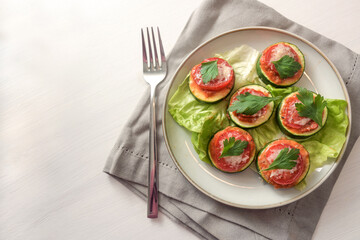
x: 273, y: 156
x: 234, y: 161
x: 280, y: 172
x: 224, y: 72
x: 302, y: 121
x: 279, y: 51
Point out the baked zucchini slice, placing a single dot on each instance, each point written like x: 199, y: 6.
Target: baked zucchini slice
x: 217, y: 88
x: 256, y: 119
x: 292, y: 124
x: 283, y: 178
x: 281, y: 64
x: 228, y: 142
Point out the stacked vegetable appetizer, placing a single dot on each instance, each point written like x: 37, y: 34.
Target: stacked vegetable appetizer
x: 302, y: 114
x: 281, y: 65
x: 232, y: 150
x: 283, y: 162
x: 211, y: 80
x: 251, y: 106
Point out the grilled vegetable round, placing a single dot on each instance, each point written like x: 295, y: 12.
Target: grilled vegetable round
x: 253, y: 120
x: 215, y: 89
x: 234, y: 163
x: 292, y: 124
x: 283, y: 178
x: 290, y: 62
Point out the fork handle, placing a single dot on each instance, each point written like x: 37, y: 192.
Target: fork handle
x: 153, y: 200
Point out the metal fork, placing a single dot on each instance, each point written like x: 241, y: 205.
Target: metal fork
x: 154, y: 73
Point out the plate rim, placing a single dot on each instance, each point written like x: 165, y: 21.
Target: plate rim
x: 282, y: 203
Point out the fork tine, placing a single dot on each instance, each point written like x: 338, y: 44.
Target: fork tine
x: 145, y: 61
x: 150, y: 51
x: 156, y: 63
x: 163, y: 59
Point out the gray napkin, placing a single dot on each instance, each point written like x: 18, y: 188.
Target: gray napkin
x: 181, y: 201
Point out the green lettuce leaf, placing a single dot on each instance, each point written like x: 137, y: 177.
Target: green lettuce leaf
x: 243, y: 60
x: 334, y: 132
x: 326, y: 145
x: 192, y: 114
x: 265, y: 133
x: 319, y: 153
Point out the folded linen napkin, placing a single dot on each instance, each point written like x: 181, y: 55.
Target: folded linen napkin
x: 181, y: 201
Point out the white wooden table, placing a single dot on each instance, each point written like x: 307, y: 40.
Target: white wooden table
x: 70, y: 75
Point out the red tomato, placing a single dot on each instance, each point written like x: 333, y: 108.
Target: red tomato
x: 231, y: 163
x: 223, y: 79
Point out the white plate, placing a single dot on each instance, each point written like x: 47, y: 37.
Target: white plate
x: 247, y: 189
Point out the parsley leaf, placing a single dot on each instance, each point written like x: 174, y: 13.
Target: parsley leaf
x: 310, y: 107
x: 233, y: 148
x: 286, y: 159
x: 209, y: 71
x: 249, y: 104
x: 287, y: 66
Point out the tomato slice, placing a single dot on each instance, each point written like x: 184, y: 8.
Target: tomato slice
x: 231, y: 163
x: 222, y: 80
